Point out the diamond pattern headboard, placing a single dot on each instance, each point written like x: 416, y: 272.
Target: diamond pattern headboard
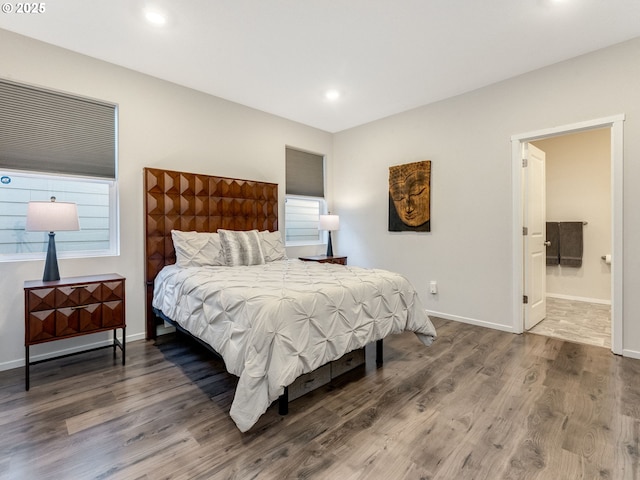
x: 192, y: 202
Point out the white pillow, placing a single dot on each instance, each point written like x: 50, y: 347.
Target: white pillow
x: 272, y: 246
x: 241, y: 248
x: 197, y: 249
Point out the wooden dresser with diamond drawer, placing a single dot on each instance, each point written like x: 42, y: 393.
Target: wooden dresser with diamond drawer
x: 73, y: 306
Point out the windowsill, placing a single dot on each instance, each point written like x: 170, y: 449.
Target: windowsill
x: 41, y: 256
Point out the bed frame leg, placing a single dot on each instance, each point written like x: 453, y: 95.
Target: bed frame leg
x: 283, y: 402
x: 379, y: 353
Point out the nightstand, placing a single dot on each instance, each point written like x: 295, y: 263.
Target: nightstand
x: 71, y: 307
x: 325, y: 259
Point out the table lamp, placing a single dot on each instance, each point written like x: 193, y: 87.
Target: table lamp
x: 52, y: 217
x: 329, y: 223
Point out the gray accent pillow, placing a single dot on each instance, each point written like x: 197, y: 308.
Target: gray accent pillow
x: 197, y: 249
x: 272, y: 246
x: 241, y: 248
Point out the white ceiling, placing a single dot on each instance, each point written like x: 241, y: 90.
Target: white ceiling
x: 384, y: 56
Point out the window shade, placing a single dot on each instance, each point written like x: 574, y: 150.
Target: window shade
x: 305, y: 173
x: 46, y: 131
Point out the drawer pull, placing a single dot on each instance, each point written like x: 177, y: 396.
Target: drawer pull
x: 79, y: 307
x: 80, y: 286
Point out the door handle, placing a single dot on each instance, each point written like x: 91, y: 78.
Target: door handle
x: 547, y: 243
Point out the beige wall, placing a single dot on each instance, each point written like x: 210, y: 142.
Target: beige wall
x: 578, y: 171
x: 160, y: 125
x: 470, y: 249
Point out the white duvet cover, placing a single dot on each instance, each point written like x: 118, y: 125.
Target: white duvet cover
x: 271, y: 323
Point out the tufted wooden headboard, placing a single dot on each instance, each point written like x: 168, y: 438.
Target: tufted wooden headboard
x: 192, y: 202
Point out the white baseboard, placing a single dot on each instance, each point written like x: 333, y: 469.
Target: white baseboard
x: 20, y: 362
x: 472, y: 321
x: 631, y: 353
x: 481, y: 323
x: 579, y: 299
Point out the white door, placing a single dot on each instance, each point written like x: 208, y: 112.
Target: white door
x: 535, y: 308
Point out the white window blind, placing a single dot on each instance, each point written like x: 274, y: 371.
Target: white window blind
x: 46, y: 131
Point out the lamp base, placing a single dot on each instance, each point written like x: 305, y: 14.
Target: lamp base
x: 329, y: 246
x: 51, y: 272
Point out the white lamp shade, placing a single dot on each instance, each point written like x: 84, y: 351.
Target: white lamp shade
x: 52, y: 217
x: 329, y: 222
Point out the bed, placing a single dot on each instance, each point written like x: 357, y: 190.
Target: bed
x: 270, y: 318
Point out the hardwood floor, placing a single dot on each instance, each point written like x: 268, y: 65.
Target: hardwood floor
x: 477, y: 404
x: 581, y: 322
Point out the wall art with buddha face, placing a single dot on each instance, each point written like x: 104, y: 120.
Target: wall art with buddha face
x: 410, y: 197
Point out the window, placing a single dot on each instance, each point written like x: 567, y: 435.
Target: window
x: 304, y: 200
x: 302, y: 215
x: 96, y: 200
x: 55, y: 144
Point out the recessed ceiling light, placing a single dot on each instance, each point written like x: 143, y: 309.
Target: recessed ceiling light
x: 155, y: 17
x: 332, y: 95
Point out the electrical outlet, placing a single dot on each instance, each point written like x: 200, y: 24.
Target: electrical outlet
x: 433, y: 287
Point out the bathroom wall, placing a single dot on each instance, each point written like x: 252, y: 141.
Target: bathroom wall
x: 578, y: 174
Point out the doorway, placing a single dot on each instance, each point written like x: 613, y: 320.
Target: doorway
x: 577, y: 201
x: 615, y: 127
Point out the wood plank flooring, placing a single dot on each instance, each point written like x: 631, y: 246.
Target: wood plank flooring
x: 477, y: 404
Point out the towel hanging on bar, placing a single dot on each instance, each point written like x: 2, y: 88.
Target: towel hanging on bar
x: 552, y: 238
x: 571, y: 243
